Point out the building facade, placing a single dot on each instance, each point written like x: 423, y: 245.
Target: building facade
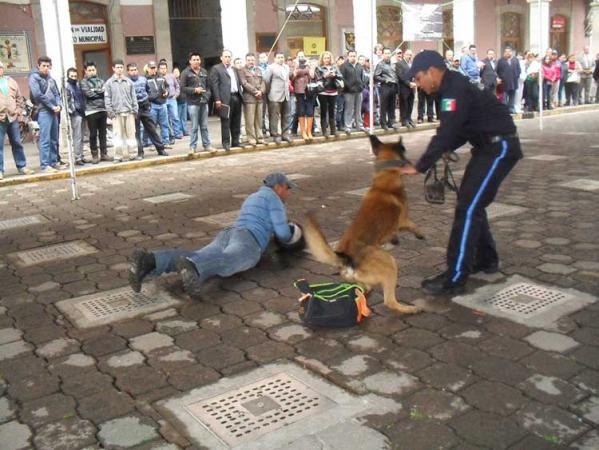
x: 143, y: 30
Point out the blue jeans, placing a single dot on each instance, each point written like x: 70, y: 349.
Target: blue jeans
x: 199, y: 118
x: 233, y: 250
x: 48, y: 142
x: 173, y: 118
x: 160, y: 117
x: 14, y: 137
x: 182, y: 106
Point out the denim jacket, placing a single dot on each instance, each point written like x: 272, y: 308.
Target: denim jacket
x: 44, y: 91
x: 263, y: 214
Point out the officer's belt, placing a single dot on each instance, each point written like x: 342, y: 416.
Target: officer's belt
x: 496, y: 139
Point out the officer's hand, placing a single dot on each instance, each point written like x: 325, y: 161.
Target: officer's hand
x: 408, y: 170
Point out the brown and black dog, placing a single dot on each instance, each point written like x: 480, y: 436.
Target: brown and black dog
x: 384, y: 212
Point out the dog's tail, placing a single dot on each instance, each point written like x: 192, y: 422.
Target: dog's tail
x: 318, y: 246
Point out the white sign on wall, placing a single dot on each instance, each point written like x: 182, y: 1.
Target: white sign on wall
x: 93, y: 33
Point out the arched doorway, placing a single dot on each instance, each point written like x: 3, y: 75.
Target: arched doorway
x: 306, y: 29
x: 558, y: 33
x: 389, y: 26
x: 91, y: 36
x: 511, y: 31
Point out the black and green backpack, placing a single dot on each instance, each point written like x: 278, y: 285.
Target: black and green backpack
x: 332, y: 304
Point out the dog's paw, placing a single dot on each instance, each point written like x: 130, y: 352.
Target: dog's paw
x: 395, y: 240
x: 402, y: 308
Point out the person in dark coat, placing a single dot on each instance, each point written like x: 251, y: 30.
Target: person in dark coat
x: 406, y: 89
x: 488, y: 73
x: 508, y: 71
x: 226, y: 90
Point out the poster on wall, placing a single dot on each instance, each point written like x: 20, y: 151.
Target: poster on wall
x: 422, y: 22
x: 349, y: 40
x: 14, y: 52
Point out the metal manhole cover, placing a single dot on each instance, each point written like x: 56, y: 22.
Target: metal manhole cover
x: 52, y: 253
x: 110, y: 306
x: 19, y: 222
x: 526, y: 299
x: 174, y: 197
x: 502, y: 209
x: 258, y: 408
x: 359, y: 192
x: 547, y: 157
x: 526, y: 302
x: 583, y: 184
x: 224, y: 219
x: 275, y: 406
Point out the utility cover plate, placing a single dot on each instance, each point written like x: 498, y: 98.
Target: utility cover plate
x: 52, y: 253
x: 526, y: 302
x: 272, y: 407
x: 224, y: 219
x: 117, y: 304
x: 173, y: 197
x: 9, y: 224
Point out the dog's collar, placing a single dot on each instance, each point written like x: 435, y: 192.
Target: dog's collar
x: 390, y: 164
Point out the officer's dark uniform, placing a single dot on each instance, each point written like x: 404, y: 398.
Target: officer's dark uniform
x: 471, y: 115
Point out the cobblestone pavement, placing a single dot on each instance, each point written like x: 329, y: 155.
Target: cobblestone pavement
x: 462, y: 379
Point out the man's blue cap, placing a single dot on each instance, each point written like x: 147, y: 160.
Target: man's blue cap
x: 424, y: 60
x: 278, y: 178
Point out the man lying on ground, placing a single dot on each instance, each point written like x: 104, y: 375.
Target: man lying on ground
x: 235, y: 249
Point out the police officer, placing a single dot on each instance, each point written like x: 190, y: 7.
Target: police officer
x: 468, y: 114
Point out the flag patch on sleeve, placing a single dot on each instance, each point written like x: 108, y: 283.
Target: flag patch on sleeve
x: 449, y: 104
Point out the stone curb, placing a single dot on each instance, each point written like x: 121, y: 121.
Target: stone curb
x: 250, y: 149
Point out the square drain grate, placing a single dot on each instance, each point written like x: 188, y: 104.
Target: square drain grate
x: 166, y: 198
x: 526, y: 302
x: 582, y: 184
x: 546, y: 157
x: 527, y: 299
x: 9, y: 224
x: 258, y: 408
x: 275, y: 406
x: 224, y: 219
x: 107, y: 307
x: 52, y: 253
x: 503, y: 209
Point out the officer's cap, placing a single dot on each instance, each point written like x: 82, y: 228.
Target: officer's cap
x: 425, y: 60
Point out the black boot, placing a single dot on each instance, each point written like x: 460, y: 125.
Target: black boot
x: 140, y: 154
x: 442, y: 285
x: 189, y: 276
x: 488, y: 268
x: 142, y: 263
x: 162, y: 152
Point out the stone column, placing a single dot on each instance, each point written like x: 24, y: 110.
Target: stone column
x: 463, y: 24
x: 56, y: 20
x: 594, y: 44
x: 162, y: 27
x: 363, y: 27
x: 233, y: 16
x: 538, y: 25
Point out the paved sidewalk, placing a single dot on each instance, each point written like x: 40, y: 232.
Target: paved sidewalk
x: 455, y: 376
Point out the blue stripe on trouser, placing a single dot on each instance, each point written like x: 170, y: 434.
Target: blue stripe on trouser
x: 464, y: 240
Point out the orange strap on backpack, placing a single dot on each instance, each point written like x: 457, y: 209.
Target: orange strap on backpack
x: 363, y: 309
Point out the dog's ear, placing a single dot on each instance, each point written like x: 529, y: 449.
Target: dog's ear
x: 375, y: 143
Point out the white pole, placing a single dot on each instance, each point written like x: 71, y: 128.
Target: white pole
x: 74, y: 190
x: 372, y: 67
x: 540, y: 77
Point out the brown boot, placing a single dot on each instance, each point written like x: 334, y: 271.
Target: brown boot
x: 302, y: 123
x: 309, y: 124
